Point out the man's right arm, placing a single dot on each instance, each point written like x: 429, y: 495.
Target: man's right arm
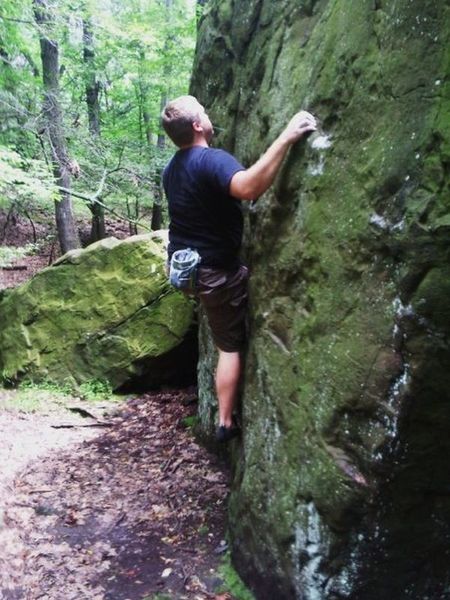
x: 254, y: 181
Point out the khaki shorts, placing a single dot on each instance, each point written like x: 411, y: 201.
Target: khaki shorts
x: 224, y: 295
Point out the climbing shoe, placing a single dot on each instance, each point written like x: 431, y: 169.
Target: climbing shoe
x: 225, y: 434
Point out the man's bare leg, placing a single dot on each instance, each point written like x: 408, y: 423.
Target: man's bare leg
x: 227, y: 384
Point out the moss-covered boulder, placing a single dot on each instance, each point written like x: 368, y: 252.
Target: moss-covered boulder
x: 341, y: 482
x: 104, y: 313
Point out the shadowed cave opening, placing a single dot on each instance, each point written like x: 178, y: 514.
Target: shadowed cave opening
x: 177, y: 368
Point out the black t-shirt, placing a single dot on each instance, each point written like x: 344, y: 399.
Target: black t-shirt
x: 202, y: 213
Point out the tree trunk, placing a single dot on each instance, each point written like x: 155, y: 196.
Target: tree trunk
x: 158, y: 194
x: 131, y: 226
x: 7, y: 70
x: 98, y: 230
x: 65, y: 222
x: 144, y: 116
x: 148, y: 129
x: 139, y: 101
x: 92, y: 85
x: 157, y: 211
x: 161, y: 143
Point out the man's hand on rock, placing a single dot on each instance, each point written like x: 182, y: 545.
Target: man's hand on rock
x: 254, y: 181
x: 301, y: 123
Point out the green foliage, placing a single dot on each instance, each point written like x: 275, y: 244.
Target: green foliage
x: 232, y: 582
x: 142, y: 54
x: 91, y: 391
x: 8, y: 254
x: 97, y: 389
x: 20, y: 85
x: 59, y: 389
x: 24, y: 182
x: 190, y: 421
x: 203, y: 530
x: 33, y: 397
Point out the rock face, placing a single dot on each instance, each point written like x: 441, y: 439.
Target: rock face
x: 341, y: 485
x: 103, y: 313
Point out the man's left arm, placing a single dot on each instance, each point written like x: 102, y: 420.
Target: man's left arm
x: 254, y: 181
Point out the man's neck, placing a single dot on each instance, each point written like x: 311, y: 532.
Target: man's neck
x: 199, y: 140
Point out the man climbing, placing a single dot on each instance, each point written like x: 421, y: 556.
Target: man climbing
x: 203, y: 186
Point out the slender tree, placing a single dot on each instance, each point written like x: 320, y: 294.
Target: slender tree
x: 92, y: 88
x: 143, y: 97
x: 6, y: 67
x: 156, y: 222
x: 92, y: 84
x: 53, y: 124
x: 161, y: 143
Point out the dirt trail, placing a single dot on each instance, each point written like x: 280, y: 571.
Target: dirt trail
x: 124, y: 511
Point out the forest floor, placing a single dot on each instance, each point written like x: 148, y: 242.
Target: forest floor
x: 109, y: 504
x: 110, y: 501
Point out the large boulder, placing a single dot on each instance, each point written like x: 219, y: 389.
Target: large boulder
x: 104, y: 313
x: 341, y: 483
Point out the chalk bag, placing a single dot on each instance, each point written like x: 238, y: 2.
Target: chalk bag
x: 183, y: 269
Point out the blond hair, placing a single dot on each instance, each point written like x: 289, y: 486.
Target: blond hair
x: 177, y: 119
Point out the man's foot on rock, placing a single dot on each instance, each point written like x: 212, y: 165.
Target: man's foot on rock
x: 225, y: 434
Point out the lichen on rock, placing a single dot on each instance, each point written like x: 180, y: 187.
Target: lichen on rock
x: 102, y: 313
x: 338, y: 487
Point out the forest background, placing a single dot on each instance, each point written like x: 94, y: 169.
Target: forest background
x: 82, y: 84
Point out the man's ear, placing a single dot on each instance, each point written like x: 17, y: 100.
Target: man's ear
x: 197, y: 127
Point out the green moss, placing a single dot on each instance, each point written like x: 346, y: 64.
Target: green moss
x: 93, y: 315
x: 431, y: 299
x: 232, y: 582
x: 349, y: 261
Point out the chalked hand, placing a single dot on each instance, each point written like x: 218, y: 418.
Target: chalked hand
x: 301, y: 124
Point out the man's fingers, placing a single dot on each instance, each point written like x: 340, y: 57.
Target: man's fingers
x: 308, y: 129
x: 301, y: 123
x: 307, y: 123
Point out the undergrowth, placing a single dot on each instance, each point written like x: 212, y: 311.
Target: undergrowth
x: 30, y: 396
x: 8, y: 254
